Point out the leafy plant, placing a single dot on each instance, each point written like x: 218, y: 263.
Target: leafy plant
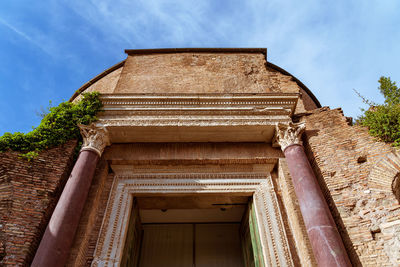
x: 383, y: 121
x: 29, y: 156
x: 57, y: 127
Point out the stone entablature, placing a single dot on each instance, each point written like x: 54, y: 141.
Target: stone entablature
x: 200, y: 117
x: 265, y: 104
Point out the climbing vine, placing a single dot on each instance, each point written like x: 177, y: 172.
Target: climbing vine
x: 57, y: 127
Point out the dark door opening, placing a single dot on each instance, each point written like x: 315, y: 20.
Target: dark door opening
x: 214, y: 232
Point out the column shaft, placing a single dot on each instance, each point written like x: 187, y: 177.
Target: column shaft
x: 325, y: 239
x: 55, y: 245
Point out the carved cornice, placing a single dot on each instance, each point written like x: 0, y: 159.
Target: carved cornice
x: 287, y: 134
x: 194, y: 101
x: 210, y: 117
x: 95, y: 138
x: 201, y: 121
x: 196, y: 109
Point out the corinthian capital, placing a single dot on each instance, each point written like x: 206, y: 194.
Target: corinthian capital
x: 287, y: 134
x: 95, y: 138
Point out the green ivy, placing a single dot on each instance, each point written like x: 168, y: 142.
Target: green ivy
x: 57, y: 127
x: 29, y: 156
x: 383, y: 121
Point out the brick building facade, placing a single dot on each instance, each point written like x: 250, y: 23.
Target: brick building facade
x: 205, y: 131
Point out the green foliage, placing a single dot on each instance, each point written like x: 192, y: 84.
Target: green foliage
x: 29, y: 156
x: 390, y: 91
x: 383, y: 121
x: 57, y: 127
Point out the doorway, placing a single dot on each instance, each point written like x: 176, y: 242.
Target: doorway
x: 205, y: 231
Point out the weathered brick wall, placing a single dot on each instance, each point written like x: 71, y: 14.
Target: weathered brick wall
x: 342, y: 157
x: 28, y: 194
x: 199, y: 73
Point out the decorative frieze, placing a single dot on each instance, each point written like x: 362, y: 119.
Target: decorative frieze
x: 179, y: 102
x: 195, y: 117
x: 95, y: 138
x: 167, y: 109
x: 287, y: 134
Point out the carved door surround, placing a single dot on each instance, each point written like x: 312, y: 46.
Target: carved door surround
x: 239, y: 179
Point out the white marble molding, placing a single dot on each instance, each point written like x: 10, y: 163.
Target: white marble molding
x: 126, y: 184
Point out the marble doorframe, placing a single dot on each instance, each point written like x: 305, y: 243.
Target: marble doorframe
x: 128, y: 183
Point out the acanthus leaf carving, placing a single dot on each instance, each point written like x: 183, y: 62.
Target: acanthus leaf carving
x: 287, y: 134
x: 95, y: 137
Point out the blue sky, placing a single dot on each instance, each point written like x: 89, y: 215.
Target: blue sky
x: 49, y: 48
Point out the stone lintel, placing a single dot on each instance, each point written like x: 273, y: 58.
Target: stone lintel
x: 192, y: 153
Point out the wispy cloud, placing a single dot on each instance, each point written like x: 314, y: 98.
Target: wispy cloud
x: 160, y: 24
x: 24, y: 36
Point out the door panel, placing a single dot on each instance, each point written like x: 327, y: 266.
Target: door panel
x: 247, y: 247
x: 167, y: 245
x: 250, y: 237
x: 217, y: 245
x: 132, y: 242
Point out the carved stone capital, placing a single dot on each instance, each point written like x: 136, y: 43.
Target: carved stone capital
x: 287, y: 134
x: 95, y: 138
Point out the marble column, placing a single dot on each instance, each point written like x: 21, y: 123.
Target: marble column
x: 325, y: 239
x: 57, y: 240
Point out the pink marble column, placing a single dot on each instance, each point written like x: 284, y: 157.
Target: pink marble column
x: 325, y: 239
x: 57, y: 240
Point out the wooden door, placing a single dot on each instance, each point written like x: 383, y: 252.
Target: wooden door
x: 167, y: 245
x: 130, y: 256
x: 250, y: 237
x: 191, y: 245
x: 218, y: 245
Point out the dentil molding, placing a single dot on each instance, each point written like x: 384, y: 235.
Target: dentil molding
x: 196, y: 109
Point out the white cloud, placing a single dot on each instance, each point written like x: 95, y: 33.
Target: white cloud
x: 25, y: 36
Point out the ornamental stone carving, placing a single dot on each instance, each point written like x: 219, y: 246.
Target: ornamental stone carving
x: 95, y: 138
x: 288, y: 134
x: 189, y: 180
